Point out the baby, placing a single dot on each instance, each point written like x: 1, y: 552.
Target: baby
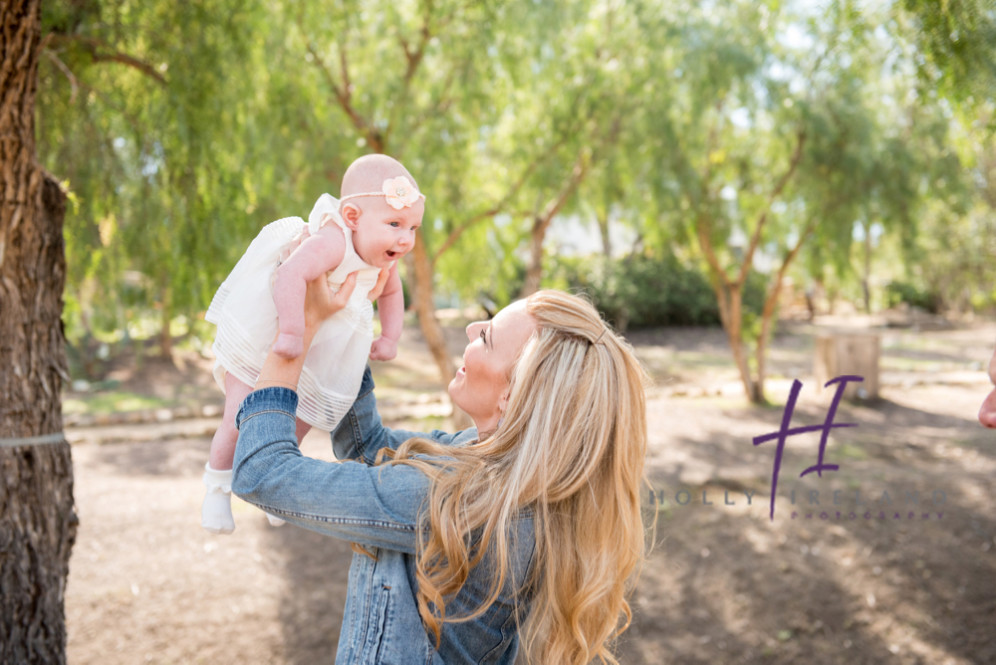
x: 262, y: 303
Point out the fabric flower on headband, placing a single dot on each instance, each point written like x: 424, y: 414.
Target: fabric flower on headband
x: 400, y: 192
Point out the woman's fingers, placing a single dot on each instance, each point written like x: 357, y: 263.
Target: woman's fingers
x: 320, y: 303
x: 341, y: 298
x: 378, y: 288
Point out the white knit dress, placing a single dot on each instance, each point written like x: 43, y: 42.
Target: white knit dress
x: 246, y: 316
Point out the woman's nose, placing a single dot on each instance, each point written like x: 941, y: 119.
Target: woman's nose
x: 987, y: 414
x: 471, y: 329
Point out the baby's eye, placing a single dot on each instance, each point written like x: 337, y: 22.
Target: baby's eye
x: 394, y: 224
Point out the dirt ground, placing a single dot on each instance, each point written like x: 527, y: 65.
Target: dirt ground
x: 889, y: 559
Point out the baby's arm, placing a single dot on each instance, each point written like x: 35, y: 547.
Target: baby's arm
x: 391, y: 308
x: 317, y: 255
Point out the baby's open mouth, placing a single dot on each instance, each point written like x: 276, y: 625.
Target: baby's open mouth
x: 391, y: 254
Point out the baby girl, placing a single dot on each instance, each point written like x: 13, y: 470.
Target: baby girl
x: 262, y: 303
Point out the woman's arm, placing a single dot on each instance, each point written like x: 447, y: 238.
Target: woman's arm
x: 372, y: 506
x: 361, y: 433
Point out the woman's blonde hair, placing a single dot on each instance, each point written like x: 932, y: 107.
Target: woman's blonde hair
x: 570, y: 447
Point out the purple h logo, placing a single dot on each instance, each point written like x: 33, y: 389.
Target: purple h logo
x: 782, y: 434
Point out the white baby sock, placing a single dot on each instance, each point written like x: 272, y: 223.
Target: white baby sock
x: 274, y: 520
x: 216, y: 511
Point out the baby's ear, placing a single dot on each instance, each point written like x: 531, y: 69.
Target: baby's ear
x: 351, y: 215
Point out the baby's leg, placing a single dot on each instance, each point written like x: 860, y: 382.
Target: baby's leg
x: 302, y: 429
x: 216, y: 511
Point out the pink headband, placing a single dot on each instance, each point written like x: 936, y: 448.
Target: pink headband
x: 399, y: 193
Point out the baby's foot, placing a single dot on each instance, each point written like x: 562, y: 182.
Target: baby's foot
x: 288, y: 346
x: 216, y: 511
x: 274, y: 520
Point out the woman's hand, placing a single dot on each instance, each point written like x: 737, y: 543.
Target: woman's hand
x: 320, y: 303
x: 385, y: 274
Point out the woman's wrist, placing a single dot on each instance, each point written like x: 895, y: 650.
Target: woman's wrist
x: 283, y: 372
x: 319, y: 305
x: 264, y: 382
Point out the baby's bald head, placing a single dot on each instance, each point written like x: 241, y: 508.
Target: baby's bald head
x: 368, y: 173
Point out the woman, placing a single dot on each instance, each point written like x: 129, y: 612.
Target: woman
x: 519, y: 534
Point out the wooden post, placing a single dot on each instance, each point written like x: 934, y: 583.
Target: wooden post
x: 856, y: 354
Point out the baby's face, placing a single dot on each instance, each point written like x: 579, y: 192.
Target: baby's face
x: 382, y: 234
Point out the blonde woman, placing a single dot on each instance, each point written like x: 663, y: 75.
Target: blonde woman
x: 518, y: 536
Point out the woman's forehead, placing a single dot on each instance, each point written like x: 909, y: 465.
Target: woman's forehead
x: 513, y: 323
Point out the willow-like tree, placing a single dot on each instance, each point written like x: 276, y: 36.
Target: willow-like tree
x: 473, y: 98
x: 148, y: 112
x: 37, y: 521
x: 777, y: 131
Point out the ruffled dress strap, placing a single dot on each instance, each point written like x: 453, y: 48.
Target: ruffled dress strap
x: 325, y: 205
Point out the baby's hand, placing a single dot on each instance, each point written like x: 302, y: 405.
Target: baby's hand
x: 383, y: 349
x: 288, y: 345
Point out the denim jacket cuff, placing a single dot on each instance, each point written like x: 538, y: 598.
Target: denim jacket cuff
x: 273, y: 398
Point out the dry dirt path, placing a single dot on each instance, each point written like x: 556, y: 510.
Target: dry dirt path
x: 725, y: 583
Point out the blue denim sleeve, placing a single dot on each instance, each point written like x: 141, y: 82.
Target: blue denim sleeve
x: 361, y: 433
x: 372, y: 506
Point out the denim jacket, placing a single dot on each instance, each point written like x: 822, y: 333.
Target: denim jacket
x: 378, y: 508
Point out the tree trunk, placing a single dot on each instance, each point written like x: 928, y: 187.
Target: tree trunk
x: 37, y: 522
x: 534, y: 270
x: 165, y: 318
x: 730, y: 302
x: 426, y: 310
x: 866, y: 273
x: 603, y: 232
x: 429, y: 324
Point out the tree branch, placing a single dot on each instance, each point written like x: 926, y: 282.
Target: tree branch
x: 577, y: 175
x: 490, y: 212
x: 775, y: 193
x: 771, y: 300
x: 413, y: 58
x: 343, y: 93
x: 101, y: 52
x: 73, y: 82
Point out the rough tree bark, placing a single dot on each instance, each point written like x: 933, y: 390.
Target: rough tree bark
x: 37, y: 521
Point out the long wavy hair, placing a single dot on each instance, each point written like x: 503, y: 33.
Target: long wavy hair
x: 570, y: 446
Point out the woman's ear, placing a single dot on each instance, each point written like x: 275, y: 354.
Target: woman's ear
x: 351, y: 215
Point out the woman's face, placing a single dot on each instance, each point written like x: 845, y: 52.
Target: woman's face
x: 480, y: 386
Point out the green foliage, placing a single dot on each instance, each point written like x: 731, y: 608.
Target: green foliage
x: 646, y: 290
x: 906, y: 293
x: 183, y: 128
x: 957, y: 42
